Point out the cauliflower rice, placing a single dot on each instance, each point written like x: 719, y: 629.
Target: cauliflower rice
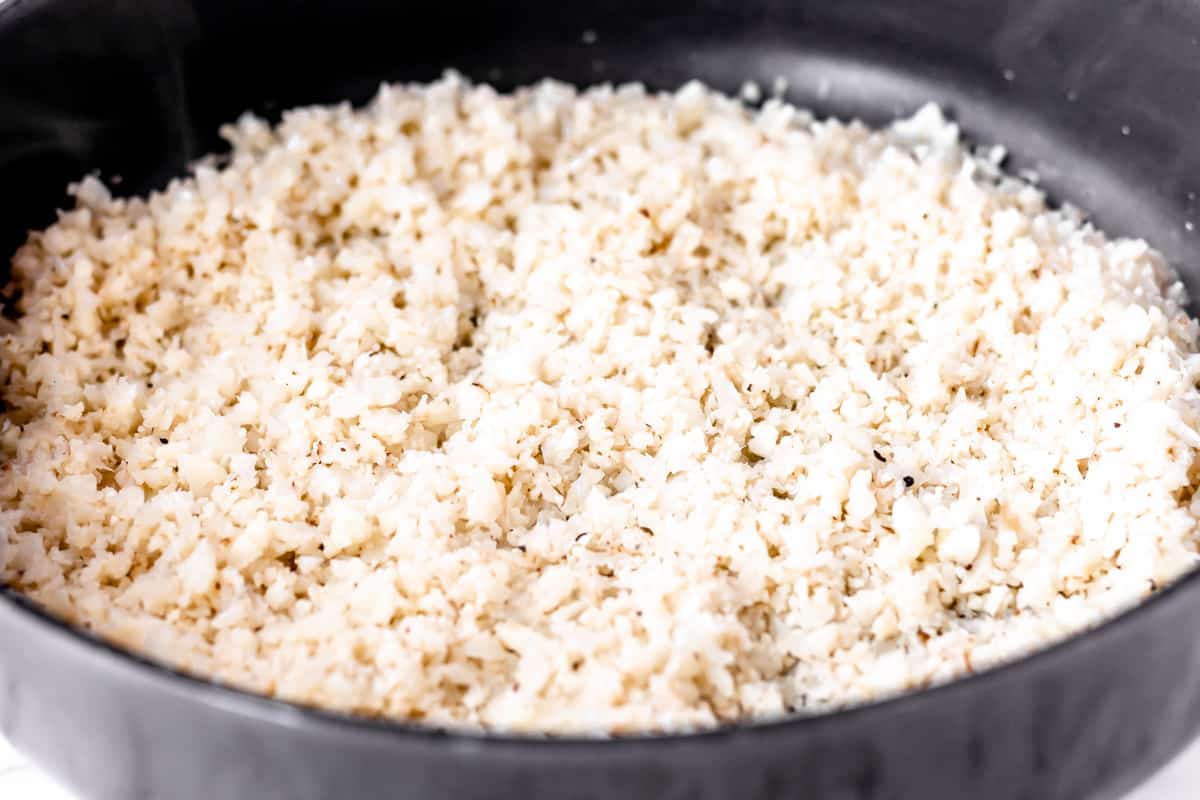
x: 591, y: 412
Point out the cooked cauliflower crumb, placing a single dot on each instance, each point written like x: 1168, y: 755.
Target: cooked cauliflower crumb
x: 591, y: 412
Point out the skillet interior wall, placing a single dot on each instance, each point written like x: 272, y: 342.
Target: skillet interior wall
x: 1101, y: 99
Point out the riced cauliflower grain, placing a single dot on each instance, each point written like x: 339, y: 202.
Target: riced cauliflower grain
x: 591, y: 412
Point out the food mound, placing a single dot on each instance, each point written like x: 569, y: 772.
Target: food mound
x: 591, y: 411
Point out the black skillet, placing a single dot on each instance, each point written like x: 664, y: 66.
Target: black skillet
x: 1100, y: 97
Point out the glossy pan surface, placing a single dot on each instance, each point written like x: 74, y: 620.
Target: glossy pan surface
x: 1101, y: 99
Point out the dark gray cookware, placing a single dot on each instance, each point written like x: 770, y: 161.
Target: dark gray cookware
x: 1101, y: 98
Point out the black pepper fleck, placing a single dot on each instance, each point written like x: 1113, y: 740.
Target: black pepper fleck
x: 909, y: 480
x: 162, y: 440
x: 878, y: 457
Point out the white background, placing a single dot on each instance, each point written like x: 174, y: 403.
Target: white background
x: 21, y: 781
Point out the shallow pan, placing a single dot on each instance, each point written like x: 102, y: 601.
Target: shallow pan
x: 1101, y: 99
